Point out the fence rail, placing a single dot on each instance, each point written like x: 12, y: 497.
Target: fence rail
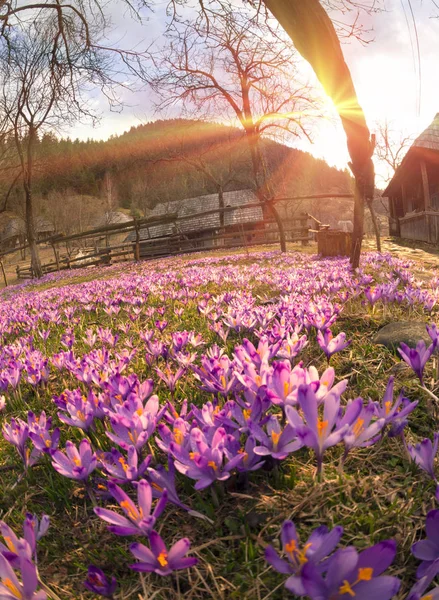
x: 241, y: 234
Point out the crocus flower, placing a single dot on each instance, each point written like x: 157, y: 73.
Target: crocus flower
x: 75, y: 464
x: 123, y: 469
x: 417, y: 591
x: 206, y: 462
x: 319, y: 546
x: 424, y: 453
x: 427, y: 550
x: 11, y: 588
x: 352, y: 575
x: 320, y: 433
x: 138, y: 519
x: 330, y: 344
x: 277, y: 442
x: 362, y: 432
x: 417, y: 358
x: 158, y: 560
x: 98, y: 583
x: 394, y: 411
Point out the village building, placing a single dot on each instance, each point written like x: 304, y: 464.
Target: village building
x: 413, y: 192
x: 191, y: 222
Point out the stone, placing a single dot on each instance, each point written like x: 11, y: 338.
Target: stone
x: 409, y: 332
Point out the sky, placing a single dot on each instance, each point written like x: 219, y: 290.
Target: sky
x: 385, y: 73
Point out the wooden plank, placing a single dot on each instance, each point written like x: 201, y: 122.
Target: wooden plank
x: 425, y: 185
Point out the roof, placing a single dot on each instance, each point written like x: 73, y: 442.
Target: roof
x: 430, y: 137
x: 201, y: 204
x: 114, y: 217
x: 16, y: 226
x: 429, y: 140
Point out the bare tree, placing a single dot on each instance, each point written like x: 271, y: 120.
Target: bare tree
x: 314, y: 35
x: 38, y: 91
x: 233, y: 67
x: 391, y: 147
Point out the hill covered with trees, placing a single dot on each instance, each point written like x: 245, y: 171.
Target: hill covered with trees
x: 158, y: 162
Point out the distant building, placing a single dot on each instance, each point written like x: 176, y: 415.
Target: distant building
x: 197, y: 225
x: 13, y: 232
x: 413, y: 192
x: 114, y: 217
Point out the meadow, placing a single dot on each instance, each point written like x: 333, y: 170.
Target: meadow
x: 219, y: 427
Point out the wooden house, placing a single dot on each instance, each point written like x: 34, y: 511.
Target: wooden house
x: 197, y: 229
x: 413, y: 192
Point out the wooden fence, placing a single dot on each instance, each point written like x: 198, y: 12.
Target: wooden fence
x: 98, y: 250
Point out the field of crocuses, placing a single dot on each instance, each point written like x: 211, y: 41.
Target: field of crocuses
x: 219, y: 427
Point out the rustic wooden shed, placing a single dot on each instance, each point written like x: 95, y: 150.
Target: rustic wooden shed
x: 413, y: 192
x: 196, y: 225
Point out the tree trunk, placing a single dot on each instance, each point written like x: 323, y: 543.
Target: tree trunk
x: 376, y: 226
x: 31, y: 235
x: 313, y: 34
x: 264, y: 192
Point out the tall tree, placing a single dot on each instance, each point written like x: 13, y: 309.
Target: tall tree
x: 234, y: 67
x: 314, y: 36
x: 39, y: 91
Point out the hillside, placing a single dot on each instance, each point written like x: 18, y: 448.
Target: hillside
x: 163, y: 161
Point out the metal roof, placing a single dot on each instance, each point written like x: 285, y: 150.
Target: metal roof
x: 201, y: 204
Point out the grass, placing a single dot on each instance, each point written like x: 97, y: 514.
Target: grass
x: 378, y: 496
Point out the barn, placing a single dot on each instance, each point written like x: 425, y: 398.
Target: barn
x: 193, y: 225
x: 413, y: 192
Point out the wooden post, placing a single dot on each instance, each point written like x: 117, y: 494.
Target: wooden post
x: 55, y: 252
x: 425, y: 185
x: 137, y: 245
x: 4, y: 274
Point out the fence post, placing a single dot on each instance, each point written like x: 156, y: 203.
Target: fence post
x: 55, y: 252
x: 137, y: 245
x: 4, y: 274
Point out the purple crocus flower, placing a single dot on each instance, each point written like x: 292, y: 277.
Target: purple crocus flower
x: 320, y: 433
x: 417, y: 591
x: 277, y: 442
x: 138, y: 519
x: 330, y: 344
x: 424, y: 453
x: 99, y: 584
x: 10, y: 586
x: 417, y: 358
x: 394, y: 412
x: 353, y: 575
x: 158, y: 559
x: 75, y: 464
x: 122, y: 469
x: 427, y: 550
x: 362, y: 431
x: 207, y: 462
x: 319, y: 546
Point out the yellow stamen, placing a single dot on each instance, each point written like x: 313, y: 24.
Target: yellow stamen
x: 157, y: 487
x: 346, y: 589
x: 286, y: 388
x: 12, y: 588
x: 388, y: 406
x: 321, y: 427
x: 10, y: 544
x: 139, y: 412
x: 213, y: 465
x: 178, y: 436
x: 77, y: 461
x: 132, y: 512
x: 163, y: 559
x: 365, y: 574
x: 275, y: 438
x: 247, y: 413
x: 358, y: 427
x: 123, y: 462
x: 223, y: 381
